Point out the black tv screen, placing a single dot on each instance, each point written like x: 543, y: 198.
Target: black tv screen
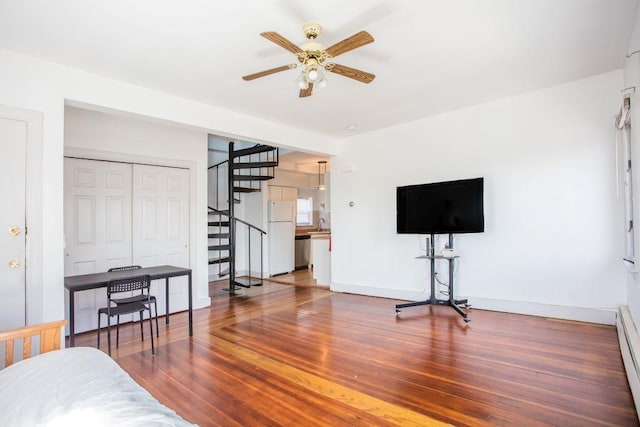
x: 441, y: 207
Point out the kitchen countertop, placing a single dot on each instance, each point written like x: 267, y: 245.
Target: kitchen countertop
x: 310, y: 231
x: 320, y: 234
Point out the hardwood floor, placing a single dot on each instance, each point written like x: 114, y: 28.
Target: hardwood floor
x: 292, y: 355
x: 298, y: 278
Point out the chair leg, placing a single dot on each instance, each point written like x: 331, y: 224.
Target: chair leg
x: 118, y: 332
x: 109, y: 333
x: 153, y: 350
x: 98, y: 331
x: 155, y: 303
x: 141, y: 326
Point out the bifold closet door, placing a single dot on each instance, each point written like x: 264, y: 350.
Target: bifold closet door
x: 97, y: 224
x: 13, y: 143
x: 161, y: 227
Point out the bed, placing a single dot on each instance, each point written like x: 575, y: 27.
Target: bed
x: 73, y: 386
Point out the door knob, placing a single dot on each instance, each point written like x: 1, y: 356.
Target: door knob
x: 14, y: 231
x: 14, y: 263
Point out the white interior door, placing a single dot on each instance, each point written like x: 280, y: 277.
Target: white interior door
x: 13, y: 138
x: 97, y: 223
x: 161, y: 227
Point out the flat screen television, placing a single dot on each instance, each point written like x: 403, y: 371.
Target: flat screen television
x: 449, y: 207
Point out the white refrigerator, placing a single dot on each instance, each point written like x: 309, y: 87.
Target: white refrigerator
x: 281, y: 236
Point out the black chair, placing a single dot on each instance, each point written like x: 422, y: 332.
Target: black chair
x: 114, y: 287
x: 140, y: 297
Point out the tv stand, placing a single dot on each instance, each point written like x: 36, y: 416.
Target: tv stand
x: 451, y: 302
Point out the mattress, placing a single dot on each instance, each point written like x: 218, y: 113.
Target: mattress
x: 77, y: 386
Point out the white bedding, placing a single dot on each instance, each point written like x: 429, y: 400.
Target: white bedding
x: 78, y: 386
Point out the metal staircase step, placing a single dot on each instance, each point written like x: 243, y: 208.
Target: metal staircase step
x: 247, y: 281
x: 245, y: 190
x: 220, y: 212
x: 219, y: 247
x: 252, y: 177
x: 253, y: 150
x: 219, y: 260
x: 236, y: 283
x: 252, y: 165
x: 218, y: 223
x: 218, y: 235
x: 241, y: 284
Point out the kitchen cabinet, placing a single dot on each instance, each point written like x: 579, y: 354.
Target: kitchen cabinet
x: 282, y: 193
x: 321, y: 258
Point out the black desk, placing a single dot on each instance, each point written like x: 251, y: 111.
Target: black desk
x: 99, y: 280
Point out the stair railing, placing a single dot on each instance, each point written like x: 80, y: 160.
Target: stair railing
x: 251, y: 229
x: 216, y: 170
x: 261, y: 233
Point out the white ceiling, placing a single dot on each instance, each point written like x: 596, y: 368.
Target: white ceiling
x: 430, y: 56
x: 303, y: 162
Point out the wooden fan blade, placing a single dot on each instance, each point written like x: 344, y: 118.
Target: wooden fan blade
x: 267, y: 72
x: 350, y: 43
x: 306, y: 92
x: 352, y: 73
x: 281, y: 41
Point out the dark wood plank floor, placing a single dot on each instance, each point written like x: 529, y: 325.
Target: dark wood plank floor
x: 288, y: 355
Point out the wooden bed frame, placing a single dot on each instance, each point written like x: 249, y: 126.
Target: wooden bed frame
x: 50, y: 339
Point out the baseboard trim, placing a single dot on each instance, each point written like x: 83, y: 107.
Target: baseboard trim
x: 378, y: 292
x: 630, y: 349
x: 605, y: 316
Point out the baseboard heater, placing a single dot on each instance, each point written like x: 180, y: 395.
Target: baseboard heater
x: 630, y: 349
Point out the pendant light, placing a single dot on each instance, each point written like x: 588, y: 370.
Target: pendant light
x: 321, y: 163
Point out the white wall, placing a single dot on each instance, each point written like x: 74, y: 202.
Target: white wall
x: 545, y: 155
x: 34, y: 84
x: 553, y: 231
x: 109, y: 137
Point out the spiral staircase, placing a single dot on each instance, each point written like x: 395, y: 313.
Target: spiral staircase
x: 243, y: 172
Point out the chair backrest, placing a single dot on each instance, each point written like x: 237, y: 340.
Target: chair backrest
x: 125, y: 268
x: 141, y: 284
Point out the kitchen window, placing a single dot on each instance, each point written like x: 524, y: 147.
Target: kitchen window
x: 305, y: 211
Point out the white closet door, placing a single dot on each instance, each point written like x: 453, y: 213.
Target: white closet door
x: 161, y: 227
x: 97, y: 223
x: 13, y: 139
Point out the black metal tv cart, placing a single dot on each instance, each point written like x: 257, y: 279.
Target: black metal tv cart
x: 451, y: 302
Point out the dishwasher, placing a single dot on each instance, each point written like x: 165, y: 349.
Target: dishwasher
x: 303, y: 247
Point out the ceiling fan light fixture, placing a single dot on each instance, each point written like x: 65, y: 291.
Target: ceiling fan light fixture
x: 302, y: 81
x: 313, y: 75
x: 321, y: 174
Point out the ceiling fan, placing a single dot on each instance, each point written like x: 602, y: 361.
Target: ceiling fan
x: 313, y: 57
